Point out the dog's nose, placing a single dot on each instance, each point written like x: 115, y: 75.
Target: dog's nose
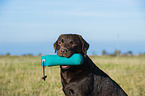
x: 63, y: 50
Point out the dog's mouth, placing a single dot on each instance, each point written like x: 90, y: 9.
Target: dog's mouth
x: 65, y: 67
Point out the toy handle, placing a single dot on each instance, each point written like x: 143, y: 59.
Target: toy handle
x: 44, y: 76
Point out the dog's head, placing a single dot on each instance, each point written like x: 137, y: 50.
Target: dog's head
x: 68, y: 44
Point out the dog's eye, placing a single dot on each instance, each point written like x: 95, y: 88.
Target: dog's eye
x: 71, y: 42
x: 60, y: 42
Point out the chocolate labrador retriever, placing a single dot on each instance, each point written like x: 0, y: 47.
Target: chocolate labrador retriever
x: 86, y: 79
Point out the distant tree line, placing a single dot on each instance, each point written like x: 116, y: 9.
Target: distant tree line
x: 8, y: 54
x: 118, y: 53
x: 29, y: 54
x: 104, y: 53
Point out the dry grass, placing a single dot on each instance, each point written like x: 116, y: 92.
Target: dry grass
x: 21, y: 75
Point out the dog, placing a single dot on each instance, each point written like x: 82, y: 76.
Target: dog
x: 85, y: 79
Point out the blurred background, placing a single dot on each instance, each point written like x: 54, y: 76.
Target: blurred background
x: 30, y: 27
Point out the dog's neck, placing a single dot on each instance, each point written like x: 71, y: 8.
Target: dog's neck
x: 75, y: 72
x: 69, y: 76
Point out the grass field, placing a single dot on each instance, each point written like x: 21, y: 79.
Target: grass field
x: 21, y: 75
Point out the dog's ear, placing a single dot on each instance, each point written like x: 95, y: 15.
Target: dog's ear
x: 55, y: 45
x: 85, y: 45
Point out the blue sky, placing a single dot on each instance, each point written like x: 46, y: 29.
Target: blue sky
x: 95, y: 20
x: 33, y: 21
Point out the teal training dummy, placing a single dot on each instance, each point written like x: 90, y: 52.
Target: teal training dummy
x: 53, y: 60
